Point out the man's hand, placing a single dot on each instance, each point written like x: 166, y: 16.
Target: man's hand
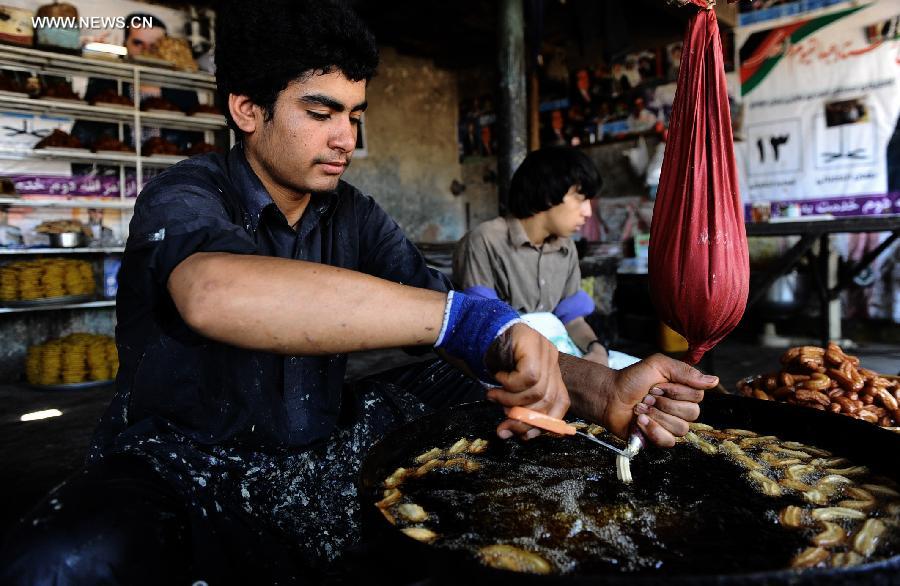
x: 663, y: 393
x: 530, y: 375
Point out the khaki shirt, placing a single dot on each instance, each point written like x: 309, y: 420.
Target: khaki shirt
x: 497, y: 254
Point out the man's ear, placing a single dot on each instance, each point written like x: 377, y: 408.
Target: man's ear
x: 246, y: 115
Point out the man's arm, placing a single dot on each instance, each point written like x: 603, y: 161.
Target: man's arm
x: 296, y: 307
x: 582, y: 334
x: 660, y: 393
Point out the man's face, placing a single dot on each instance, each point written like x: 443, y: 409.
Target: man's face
x: 308, y: 144
x: 566, y: 218
x: 140, y: 39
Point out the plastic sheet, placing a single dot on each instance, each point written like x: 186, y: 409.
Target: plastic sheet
x: 698, y: 265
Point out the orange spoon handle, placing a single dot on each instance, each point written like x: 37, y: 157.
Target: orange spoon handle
x: 540, y: 420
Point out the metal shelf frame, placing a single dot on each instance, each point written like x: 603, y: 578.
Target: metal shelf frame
x: 25, y: 59
x: 69, y: 202
x: 85, y: 111
x: 83, y: 305
x: 129, y: 159
x: 36, y: 61
x: 80, y: 250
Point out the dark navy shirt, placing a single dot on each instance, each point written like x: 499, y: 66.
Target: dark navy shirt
x: 214, y: 393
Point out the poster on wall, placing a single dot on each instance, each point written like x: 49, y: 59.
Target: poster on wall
x: 756, y: 11
x: 821, y: 102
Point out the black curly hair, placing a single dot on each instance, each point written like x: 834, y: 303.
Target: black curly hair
x: 546, y: 175
x: 263, y: 46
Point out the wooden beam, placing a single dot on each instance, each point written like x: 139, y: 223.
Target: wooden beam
x: 534, y: 112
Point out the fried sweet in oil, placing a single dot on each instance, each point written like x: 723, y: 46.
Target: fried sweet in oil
x: 816, y: 497
x: 810, y: 557
x: 859, y: 499
x: 799, y: 472
x: 789, y: 453
x: 846, y: 559
x: 794, y: 517
x: 747, y: 462
x: 768, y: 486
x: 729, y: 447
x: 832, y: 535
x: 881, y: 490
x: 412, y: 512
x: 807, y: 449
x: 752, y: 442
x: 477, y: 446
x: 851, y: 471
x: 429, y: 455
x: 794, y: 485
x: 834, y: 479
x: 395, y: 479
x: 391, y: 497
x: 868, y: 537
x: 741, y: 432
x: 837, y: 513
x: 459, y: 447
x: 702, y: 444
x: 829, y: 462
x: 422, y: 534
x: 777, y: 461
x: 387, y: 515
x: 428, y: 467
x: 508, y: 557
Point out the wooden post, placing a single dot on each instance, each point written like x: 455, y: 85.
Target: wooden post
x: 534, y: 109
x: 511, y: 124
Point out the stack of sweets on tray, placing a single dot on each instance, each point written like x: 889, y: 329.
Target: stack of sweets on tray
x: 76, y: 358
x: 827, y: 379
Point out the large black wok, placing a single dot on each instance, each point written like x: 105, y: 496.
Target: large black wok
x: 861, y: 442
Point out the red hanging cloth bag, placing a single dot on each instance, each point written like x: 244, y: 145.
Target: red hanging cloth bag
x: 699, y: 268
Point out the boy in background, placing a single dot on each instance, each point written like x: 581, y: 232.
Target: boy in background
x: 528, y: 259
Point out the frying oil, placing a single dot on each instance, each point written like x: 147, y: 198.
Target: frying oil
x: 685, y: 512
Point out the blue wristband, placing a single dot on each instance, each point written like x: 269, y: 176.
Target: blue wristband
x: 471, y: 324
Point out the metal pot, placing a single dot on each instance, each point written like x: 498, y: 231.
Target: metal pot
x: 862, y: 442
x: 66, y: 239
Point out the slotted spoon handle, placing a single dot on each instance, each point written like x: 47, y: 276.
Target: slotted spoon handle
x: 536, y: 419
